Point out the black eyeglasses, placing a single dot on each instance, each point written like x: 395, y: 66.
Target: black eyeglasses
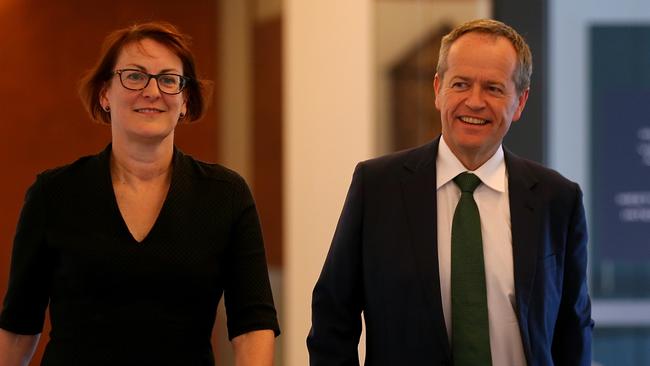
x: 137, y: 80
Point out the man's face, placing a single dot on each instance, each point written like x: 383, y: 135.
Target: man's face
x: 477, y: 98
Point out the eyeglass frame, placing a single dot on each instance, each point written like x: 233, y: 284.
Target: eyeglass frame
x: 183, y: 83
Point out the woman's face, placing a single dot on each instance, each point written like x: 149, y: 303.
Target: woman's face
x: 146, y: 115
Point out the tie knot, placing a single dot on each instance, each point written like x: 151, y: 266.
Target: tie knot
x: 467, y: 182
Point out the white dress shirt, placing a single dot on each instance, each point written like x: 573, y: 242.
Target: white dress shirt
x: 493, y: 204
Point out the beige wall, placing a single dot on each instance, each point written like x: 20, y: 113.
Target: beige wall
x: 234, y: 104
x: 327, y: 129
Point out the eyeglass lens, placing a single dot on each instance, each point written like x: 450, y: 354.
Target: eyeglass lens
x: 137, y: 80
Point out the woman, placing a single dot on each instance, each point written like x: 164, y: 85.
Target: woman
x: 132, y: 248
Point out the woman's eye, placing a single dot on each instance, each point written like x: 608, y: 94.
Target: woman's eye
x: 135, y: 76
x: 168, y: 79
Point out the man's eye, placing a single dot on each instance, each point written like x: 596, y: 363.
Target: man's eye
x: 496, y: 90
x: 459, y: 85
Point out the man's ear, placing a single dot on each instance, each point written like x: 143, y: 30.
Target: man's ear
x: 521, y: 103
x: 436, y: 89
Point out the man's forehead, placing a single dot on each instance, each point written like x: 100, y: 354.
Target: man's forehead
x: 483, y: 51
x: 472, y: 61
x: 482, y: 37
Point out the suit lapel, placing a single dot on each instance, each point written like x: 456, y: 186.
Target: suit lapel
x: 525, y: 217
x: 419, y: 192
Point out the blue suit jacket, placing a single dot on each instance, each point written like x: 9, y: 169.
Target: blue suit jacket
x: 383, y: 262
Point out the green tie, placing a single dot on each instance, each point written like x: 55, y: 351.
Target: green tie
x: 470, y: 332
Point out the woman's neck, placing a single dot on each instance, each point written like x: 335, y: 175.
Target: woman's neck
x: 133, y: 163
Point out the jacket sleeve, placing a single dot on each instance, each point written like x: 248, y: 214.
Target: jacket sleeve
x: 337, y: 300
x: 572, y: 336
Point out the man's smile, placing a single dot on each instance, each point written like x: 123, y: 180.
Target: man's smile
x: 473, y: 120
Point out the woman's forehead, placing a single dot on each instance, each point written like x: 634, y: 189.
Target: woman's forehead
x: 149, y: 54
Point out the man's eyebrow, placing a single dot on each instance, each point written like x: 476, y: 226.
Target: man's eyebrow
x: 497, y: 83
x: 459, y: 77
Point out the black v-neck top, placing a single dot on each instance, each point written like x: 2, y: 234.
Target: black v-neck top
x: 116, y: 301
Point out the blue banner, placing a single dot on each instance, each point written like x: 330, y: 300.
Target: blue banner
x: 620, y: 144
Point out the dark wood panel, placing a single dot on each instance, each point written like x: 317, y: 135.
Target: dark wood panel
x: 46, y: 46
x: 267, y: 132
x: 414, y: 118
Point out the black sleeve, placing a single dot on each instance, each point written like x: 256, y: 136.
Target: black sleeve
x: 28, y: 291
x: 337, y: 300
x: 247, y: 291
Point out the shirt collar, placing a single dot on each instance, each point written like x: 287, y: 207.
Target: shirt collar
x: 492, y: 173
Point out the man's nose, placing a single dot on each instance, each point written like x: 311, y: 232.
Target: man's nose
x: 475, y: 99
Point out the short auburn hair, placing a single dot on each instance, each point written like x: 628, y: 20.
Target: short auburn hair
x: 196, y: 91
x: 495, y: 28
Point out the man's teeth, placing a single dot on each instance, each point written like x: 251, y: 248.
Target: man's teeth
x: 474, y: 121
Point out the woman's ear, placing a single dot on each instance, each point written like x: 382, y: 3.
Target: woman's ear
x: 183, y: 111
x: 103, y: 99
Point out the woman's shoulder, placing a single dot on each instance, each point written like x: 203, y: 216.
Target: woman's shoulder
x: 203, y: 170
x: 75, y: 170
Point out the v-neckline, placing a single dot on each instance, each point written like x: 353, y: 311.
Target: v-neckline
x: 121, y: 222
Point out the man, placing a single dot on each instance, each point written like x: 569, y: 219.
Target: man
x: 493, y: 275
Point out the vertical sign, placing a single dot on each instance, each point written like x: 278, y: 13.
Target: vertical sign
x: 620, y: 166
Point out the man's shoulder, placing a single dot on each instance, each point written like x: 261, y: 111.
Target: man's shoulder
x: 409, y: 159
x: 540, y: 173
